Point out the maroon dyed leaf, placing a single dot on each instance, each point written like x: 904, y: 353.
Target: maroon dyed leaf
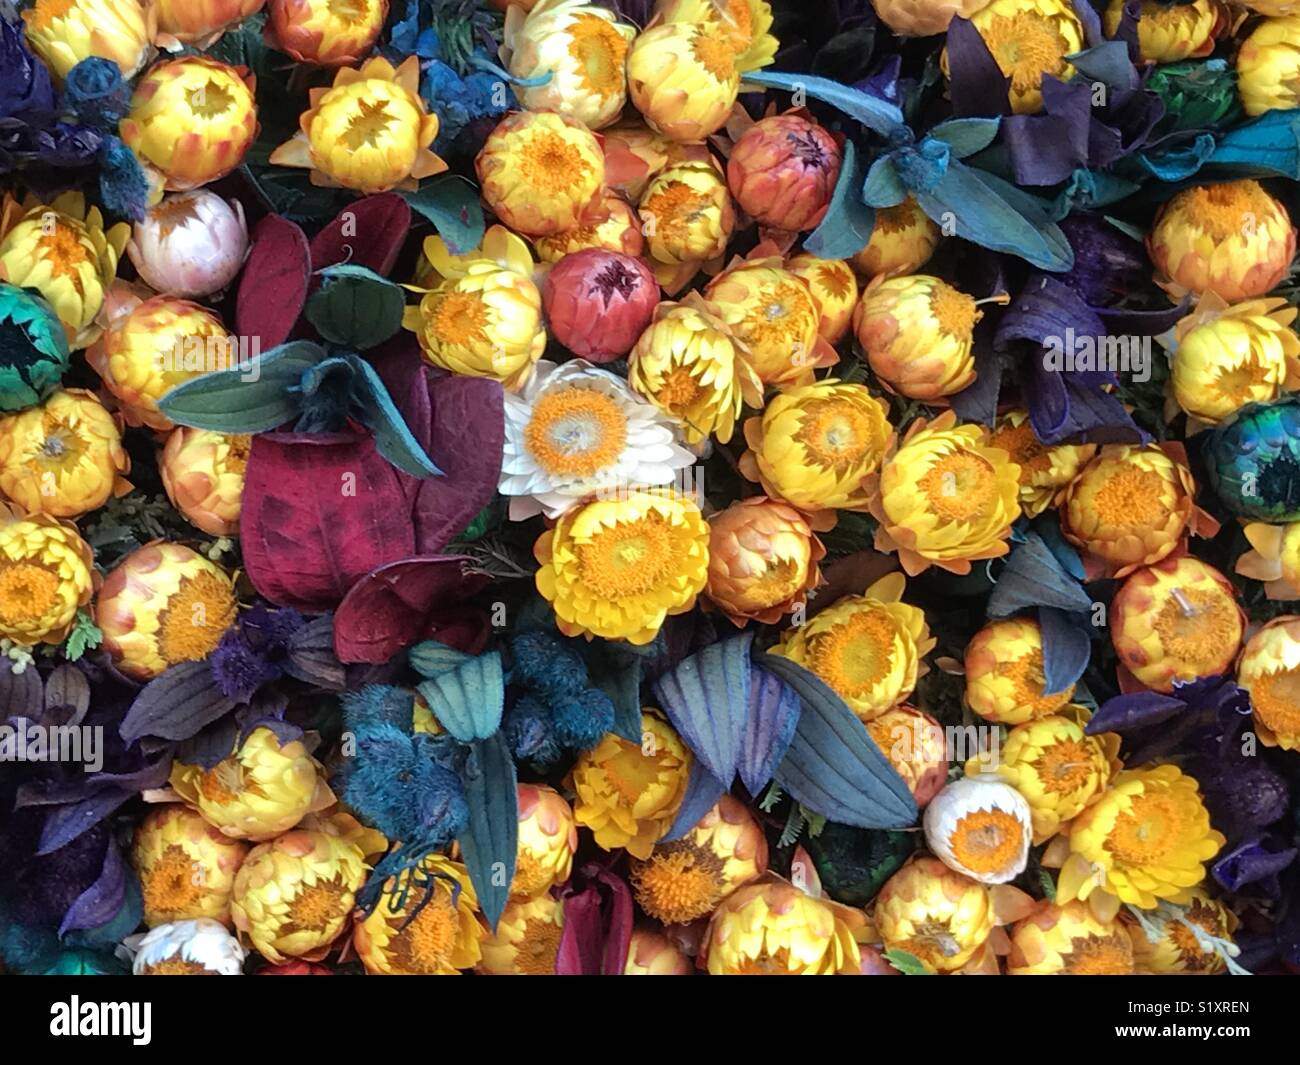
x: 395, y: 605
x: 274, y: 287
x: 367, y: 233
x: 597, y: 925
x: 321, y: 510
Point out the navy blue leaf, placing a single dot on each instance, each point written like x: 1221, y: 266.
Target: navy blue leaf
x: 769, y: 728
x: 1133, y: 711
x: 176, y: 704
x: 846, y: 228
x: 491, y: 840
x: 1034, y: 577
x: 468, y: 700
x: 66, y: 823
x: 703, y: 790
x: 1067, y: 647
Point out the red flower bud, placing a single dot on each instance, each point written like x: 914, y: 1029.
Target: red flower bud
x: 783, y: 170
x: 598, y: 302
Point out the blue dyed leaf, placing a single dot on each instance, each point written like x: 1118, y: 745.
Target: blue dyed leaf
x: 1269, y: 144
x: 846, y: 228
x: 620, y: 679
x: 1134, y: 711
x: 769, y: 728
x: 883, y: 187
x: 703, y: 790
x: 1067, y: 647
x: 451, y: 203
x: 832, y: 767
x: 393, y: 437
x: 176, y: 704
x: 874, y: 113
x: 356, y: 307
x: 490, y: 842
x: 468, y: 700
x: 1034, y: 577
x: 252, y: 400
x: 432, y: 659
x: 706, y: 697
x: 966, y: 136
x: 1108, y: 63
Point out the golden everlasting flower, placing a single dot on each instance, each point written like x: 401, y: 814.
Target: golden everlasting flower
x: 1004, y: 673
x: 762, y: 560
x: 1129, y: 507
x: 1055, y: 766
x: 259, y: 790
x: 370, y: 131
x: 947, y: 497
x: 541, y: 173
x: 1029, y: 39
x: 614, y: 226
x: 818, y: 447
x: 548, y: 840
x: 1171, y: 33
x: 1273, y: 7
x: 634, y: 153
x: 326, y: 32
x: 46, y: 576
x: 773, y: 313
x: 64, y: 252
x: 981, y: 827
x: 743, y: 24
x: 584, y: 49
x: 63, y: 458
x: 294, y: 894
x: 199, y: 22
x: 203, y: 473
x: 934, y: 913
x: 686, y: 878
x: 485, y: 317
x: 1233, y: 239
x: 924, y: 18
x: 902, y: 240
x: 1228, y: 356
x: 1177, y: 951
x: 1175, y: 622
x: 185, y: 866
x: 689, y: 366
x: 1069, y: 940
x: 918, y: 333
x: 193, y: 119
x: 651, y: 953
x: 771, y: 928
x: 64, y: 32
x: 916, y: 747
x: 1268, y: 66
x: 616, y: 568
x: 687, y: 215
x: 834, y: 290
x: 1146, y: 838
x: 682, y: 77
x: 628, y: 793
x: 1269, y: 670
x: 868, y: 647
x: 1275, y: 558
x: 442, y: 938
x: 1044, y: 468
x: 527, y: 939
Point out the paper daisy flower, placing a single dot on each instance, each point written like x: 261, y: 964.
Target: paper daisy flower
x: 201, y: 947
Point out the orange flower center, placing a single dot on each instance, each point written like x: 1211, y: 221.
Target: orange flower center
x: 678, y: 389
x: 1230, y: 209
x: 196, y: 615
x: 173, y: 884
x: 835, y: 433
x: 933, y: 942
x: 426, y: 945
x: 835, y: 278
x: 960, y: 486
x: 857, y: 654
x: 955, y: 311
x: 576, y: 432
x: 64, y: 250
x: 629, y: 559
x: 532, y: 877
x: 46, y: 11
x: 679, y: 882
x: 599, y: 51
x: 237, y: 451
x: 780, y: 579
x: 1065, y: 767
x: 551, y: 165
x: 223, y: 783
x: 1193, y: 956
x: 317, y: 906
x: 674, y: 207
x: 1241, y: 384
x: 1026, y: 677
x: 28, y: 593
x: 1130, y: 497
x: 1198, y: 626
x: 714, y: 54
x: 1026, y: 46
x: 1024, y: 448
x: 178, y: 967
x: 540, y: 946
x: 1100, y: 956
x: 780, y: 316
x: 897, y: 219
x: 1276, y: 699
x: 1146, y: 832
x: 630, y: 773
x: 987, y: 841
x: 458, y: 317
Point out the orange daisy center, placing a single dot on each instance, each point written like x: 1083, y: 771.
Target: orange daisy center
x: 987, y: 841
x: 28, y: 592
x: 960, y: 486
x: 599, y: 51
x: 856, y: 654
x: 197, y: 614
x: 679, y: 882
x: 576, y: 432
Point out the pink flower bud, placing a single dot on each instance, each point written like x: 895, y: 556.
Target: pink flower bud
x: 191, y: 244
x: 599, y: 302
x: 783, y: 170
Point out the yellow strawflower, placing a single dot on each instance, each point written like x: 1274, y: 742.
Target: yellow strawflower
x: 1269, y: 669
x: 902, y: 240
x: 687, y: 215
x: 683, y: 79
x: 916, y: 747
x: 1070, y: 940
x: 743, y: 24
x: 326, y: 32
x: 64, y: 32
x: 934, y: 913
x: 1044, y: 468
x: 203, y: 473
x: 1274, y: 558
x: 185, y: 866
x: 527, y: 939
x: 1004, y: 673
x: 46, y: 576
x: 548, y: 840
x: 199, y: 22
x: 1177, y: 950
x: 834, y: 290
x: 1268, y: 66
x: 771, y: 928
x: 1171, y: 33
x: 924, y: 18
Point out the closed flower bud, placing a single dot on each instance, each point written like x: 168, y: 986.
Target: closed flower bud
x: 834, y: 290
x: 742, y: 24
x: 1070, y: 940
x: 527, y: 938
x: 185, y: 866
x: 191, y: 244
x: 326, y: 33
x: 64, y: 32
x: 598, y: 302
x: 683, y: 79
x: 201, y: 22
x: 686, y: 214
x: 163, y: 604
x: 980, y: 827
x: 1004, y: 673
x: 902, y: 240
x: 651, y: 953
x: 635, y: 153
x: 63, y: 458
x: 583, y: 47
x: 193, y: 119
x: 548, y: 839
x: 915, y: 745
x: 203, y: 473
x: 199, y: 947
x: 934, y: 913
x: 1175, y: 622
x: 771, y: 928
x: 1269, y: 669
x: 1268, y: 66
x: 1177, y: 950
x: 1232, y: 239
x: 541, y: 173
x: 614, y: 226
x: 1045, y: 469
x: 924, y: 18
x: 782, y: 171
x: 1170, y: 33
x: 762, y: 560
x: 45, y: 578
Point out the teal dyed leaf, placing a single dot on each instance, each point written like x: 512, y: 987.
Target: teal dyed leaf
x: 355, y: 307
x: 432, y: 659
x: 248, y: 400
x: 490, y: 840
x: 451, y: 204
x: 619, y: 675
x: 706, y: 697
x: 883, y: 187
x: 1269, y: 144
x: 468, y: 700
x: 966, y: 136
x: 832, y: 766
x: 846, y: 228
x: 874, y: 113
x: 393, y: 437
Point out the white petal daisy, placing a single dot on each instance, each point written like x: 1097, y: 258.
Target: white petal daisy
x: 576, y: 431
x: 981, y: 827
x: 201, y: 947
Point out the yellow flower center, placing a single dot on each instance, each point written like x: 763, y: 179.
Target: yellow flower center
x: 45, y: 12
x: 857, y: 654
x: 1230, y: 209
x: 1026, y: 46
x: 317, y: 906
x: 458, y: 317
x: 679, y: 882
x: 780, y: 579
x: 532, y: 877
x: 767, y: 963
x: 1025, y: 675
x: 987, y: 841
x: 1099, y: 956
x: 238, y: 448
x: 737, y: 18
x: 955, y: 311
x: 351, y: 11
x: 630, y: 773
x: 1064, y: 768
x: 425, y: 945
x: 196, y: 615
x: 835, y: 433
x: 1199, y: 625
x: 779, y: 316
x: 599, y: 51
x: 960, y: 486
x: 64, y: 250
x: 537, y: 950
x: 210, y: 100
x: 550, y: 164
x: 674, y: 207
x: 1276, y: 699
x: 367, y: 128
x: 678, y: 389
x: 1024, y: 448
x: 28, y: 592
x: 178, y: 967
x: 714, y: 54
x: 1146, y: 832
x: 1130, y: 497
x: 932, y: 942
x: 835, y: 279
x: 628, y: 559
x: 223, y: 783
x: 1240, y: 384
x: 576, y: 432
x: 59, y: 450
x: 172, y: 885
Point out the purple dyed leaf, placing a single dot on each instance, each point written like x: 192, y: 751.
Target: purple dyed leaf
x: 703, y: 790
x: 1124, y: 713
x: 311, y: 657
x: 66, y: 823
x: 67, y: 694
x: 977, y: 84
x: 21, y: 694
x: 175, y: 705
x: 100, y: 902
x: 1249, y: 864
x: 598, y: 917
x: 769, y: 728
